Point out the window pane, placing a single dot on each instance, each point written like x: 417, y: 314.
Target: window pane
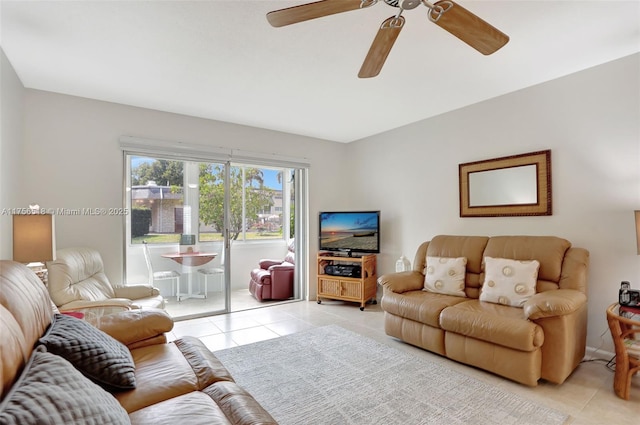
x: 157, y: 203
x: 263, y: 203
x: 161, y: 211
x: 257, y: 209
x: 211, y: 208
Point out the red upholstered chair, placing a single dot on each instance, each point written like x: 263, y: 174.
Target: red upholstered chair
x: 273, y: 279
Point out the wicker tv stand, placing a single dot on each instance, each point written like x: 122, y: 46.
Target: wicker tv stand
x: 354, y: 289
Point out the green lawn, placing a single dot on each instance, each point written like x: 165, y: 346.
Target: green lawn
x: 160, y: 238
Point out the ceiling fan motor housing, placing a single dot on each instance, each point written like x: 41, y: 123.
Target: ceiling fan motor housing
x: 404, y: 4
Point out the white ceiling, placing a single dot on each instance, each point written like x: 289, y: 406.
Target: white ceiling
x: 221, y: 60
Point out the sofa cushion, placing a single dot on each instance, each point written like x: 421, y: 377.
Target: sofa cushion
x: 193, y: 408
x: 509, y: 282
x: 493, y: 323
x: 469, y: 247
x: 445, y: 275
x: 419, y: 306
x: 51, y: 391
x: 164, y: 371
x: 237, y: 404
x: 261, y: 276
x: 548, y: 250
x: 78, y: 274
x: 25, y: 314
x: 97, y: 355
x: 222, y: 402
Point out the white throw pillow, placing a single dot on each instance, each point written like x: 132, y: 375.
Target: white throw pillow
x: 445, y: 275
x: 509, y: 282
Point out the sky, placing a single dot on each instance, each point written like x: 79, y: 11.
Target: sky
x: 271, y: 179
x: 270, y: 176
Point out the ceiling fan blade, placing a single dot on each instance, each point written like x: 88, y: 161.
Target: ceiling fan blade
x: 305, y: 12
x: 468, y: 27
x: 381, y: 46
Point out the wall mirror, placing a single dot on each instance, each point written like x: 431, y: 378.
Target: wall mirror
x: 516, y: 185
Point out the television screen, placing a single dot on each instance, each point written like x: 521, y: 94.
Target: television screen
x: 350, y: 231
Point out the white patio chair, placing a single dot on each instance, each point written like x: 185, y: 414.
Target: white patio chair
x: 208, y: 272
x: 161, y: 275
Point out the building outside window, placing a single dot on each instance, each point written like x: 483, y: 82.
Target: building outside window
x: 159, y: 207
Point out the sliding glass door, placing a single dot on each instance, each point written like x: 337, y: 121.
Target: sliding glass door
x: 210, y: 222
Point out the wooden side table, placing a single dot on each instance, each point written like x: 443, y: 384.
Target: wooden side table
x: 627, y: 364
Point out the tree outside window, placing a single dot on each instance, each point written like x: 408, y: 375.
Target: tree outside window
x: 250, y: 201
x: 256, y: 201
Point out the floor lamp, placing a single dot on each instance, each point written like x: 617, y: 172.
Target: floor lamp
x: 34, y: 241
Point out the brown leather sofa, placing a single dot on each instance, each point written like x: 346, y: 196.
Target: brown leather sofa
x: 176, y: 382
x: 545, y: 339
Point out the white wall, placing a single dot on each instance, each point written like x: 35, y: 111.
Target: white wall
x: 11, y: 135
x: 591, y: 122
x: 75, y: 162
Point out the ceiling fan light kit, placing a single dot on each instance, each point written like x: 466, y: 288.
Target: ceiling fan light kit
x: 447, y: 14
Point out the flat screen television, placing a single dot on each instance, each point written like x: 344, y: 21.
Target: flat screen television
x: 350, y: 232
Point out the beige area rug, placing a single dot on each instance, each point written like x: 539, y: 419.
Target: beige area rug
x: 329, y: 375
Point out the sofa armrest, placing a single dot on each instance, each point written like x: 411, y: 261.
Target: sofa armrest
x: 402, y: 281
x: 125, y: 303
x: 265, y: 264
x: 159, y: 339
x: 282, y: 275
x: 553, y: 303
x: 282, y: 267
x: 133, y: 326
x: 134, y: 292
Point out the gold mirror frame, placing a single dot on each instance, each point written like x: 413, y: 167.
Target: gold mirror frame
x: 542, y: 206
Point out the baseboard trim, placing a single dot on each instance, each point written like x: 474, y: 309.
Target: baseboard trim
x: 597, y: 353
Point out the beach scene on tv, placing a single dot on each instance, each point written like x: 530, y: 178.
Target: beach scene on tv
x: 349, y: 231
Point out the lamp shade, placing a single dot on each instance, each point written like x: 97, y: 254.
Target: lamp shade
x: 638, y: 230
x: 33, y: 238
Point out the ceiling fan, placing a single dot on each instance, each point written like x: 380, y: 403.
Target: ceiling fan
x: 445, y: 13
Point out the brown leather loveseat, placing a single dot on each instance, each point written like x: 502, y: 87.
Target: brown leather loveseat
x: 59, y: 369
x: 536, y: 330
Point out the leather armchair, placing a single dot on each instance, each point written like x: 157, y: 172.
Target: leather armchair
x: 273, y: 279
x: 77, y: 280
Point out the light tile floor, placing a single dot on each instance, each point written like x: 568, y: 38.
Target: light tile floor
x: 587, y: 395
x: 241, y: 299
